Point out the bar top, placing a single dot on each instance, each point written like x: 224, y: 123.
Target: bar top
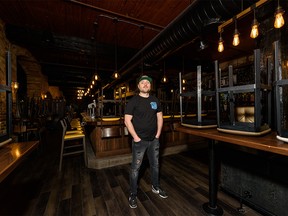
x: 267, y: 142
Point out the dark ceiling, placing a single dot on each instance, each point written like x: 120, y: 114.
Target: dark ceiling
x: 73, y: 39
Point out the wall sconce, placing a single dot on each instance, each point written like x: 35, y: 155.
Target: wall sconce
x: 15, y: 86
x: 236, y: 39
x: 221, y: 43
x: 279, y: 20
x: 254, y: 31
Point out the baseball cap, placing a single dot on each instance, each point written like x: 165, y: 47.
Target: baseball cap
x: 145, y: 77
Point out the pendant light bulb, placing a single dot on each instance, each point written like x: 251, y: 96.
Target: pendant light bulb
x: 236, y: 39
x: 254, y: 30
x: 164, y: 79
x: 96, y: 77
x: 221, y: 43
x: 254, y: 27
x: 279, y: 20
x: 116, y: 75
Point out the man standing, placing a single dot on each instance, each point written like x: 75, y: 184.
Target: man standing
x: 144, y: 121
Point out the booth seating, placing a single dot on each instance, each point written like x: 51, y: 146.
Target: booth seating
x: 72, y: 143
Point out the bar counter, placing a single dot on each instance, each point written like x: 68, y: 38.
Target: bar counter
x: 110, y: 138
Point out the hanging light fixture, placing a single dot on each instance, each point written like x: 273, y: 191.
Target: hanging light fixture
x: 96, y: 76
x: 116, y: 75
x: 183, y: 80
x: 254, y: 30
x: 164, y: 78
x: 221, y: 43
x: 142, y: 27
x: 236, y: 39
x: 279, y: 20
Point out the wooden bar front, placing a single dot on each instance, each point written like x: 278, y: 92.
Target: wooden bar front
x: 120, y: 144
x: 107, y: 136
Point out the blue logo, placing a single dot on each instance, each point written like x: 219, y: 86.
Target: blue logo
x: 153, y: 105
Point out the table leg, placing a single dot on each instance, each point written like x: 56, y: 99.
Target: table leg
x: 211, y: 207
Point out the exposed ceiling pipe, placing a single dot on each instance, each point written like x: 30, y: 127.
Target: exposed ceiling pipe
x: 184, y: 28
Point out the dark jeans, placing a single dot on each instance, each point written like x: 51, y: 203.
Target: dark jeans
x: 138, y: 151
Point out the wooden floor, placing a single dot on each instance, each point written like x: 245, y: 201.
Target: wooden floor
x: 37, y: 188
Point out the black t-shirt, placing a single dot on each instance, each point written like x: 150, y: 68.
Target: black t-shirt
x: 144, y: 112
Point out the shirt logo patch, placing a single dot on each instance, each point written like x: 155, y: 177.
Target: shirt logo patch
x: 153, y: 105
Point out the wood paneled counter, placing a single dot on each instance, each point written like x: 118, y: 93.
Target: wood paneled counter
x: 118, y: 141
x: 108, y: 136
x: 12, y: 154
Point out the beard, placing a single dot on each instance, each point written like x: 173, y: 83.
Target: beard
x: 145, y: 90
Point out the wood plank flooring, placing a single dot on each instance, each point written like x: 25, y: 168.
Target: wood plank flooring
x: 37, y: 188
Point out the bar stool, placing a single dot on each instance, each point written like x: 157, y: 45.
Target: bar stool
x: 68, y: 148
x: 75, y: 126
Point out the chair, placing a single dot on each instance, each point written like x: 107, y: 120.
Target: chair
x: 68, y: 148
x: 20, y: 129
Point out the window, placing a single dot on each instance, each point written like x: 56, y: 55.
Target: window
x: 6, y: 102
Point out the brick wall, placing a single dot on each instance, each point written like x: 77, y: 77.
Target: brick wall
x: 37, y: 83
